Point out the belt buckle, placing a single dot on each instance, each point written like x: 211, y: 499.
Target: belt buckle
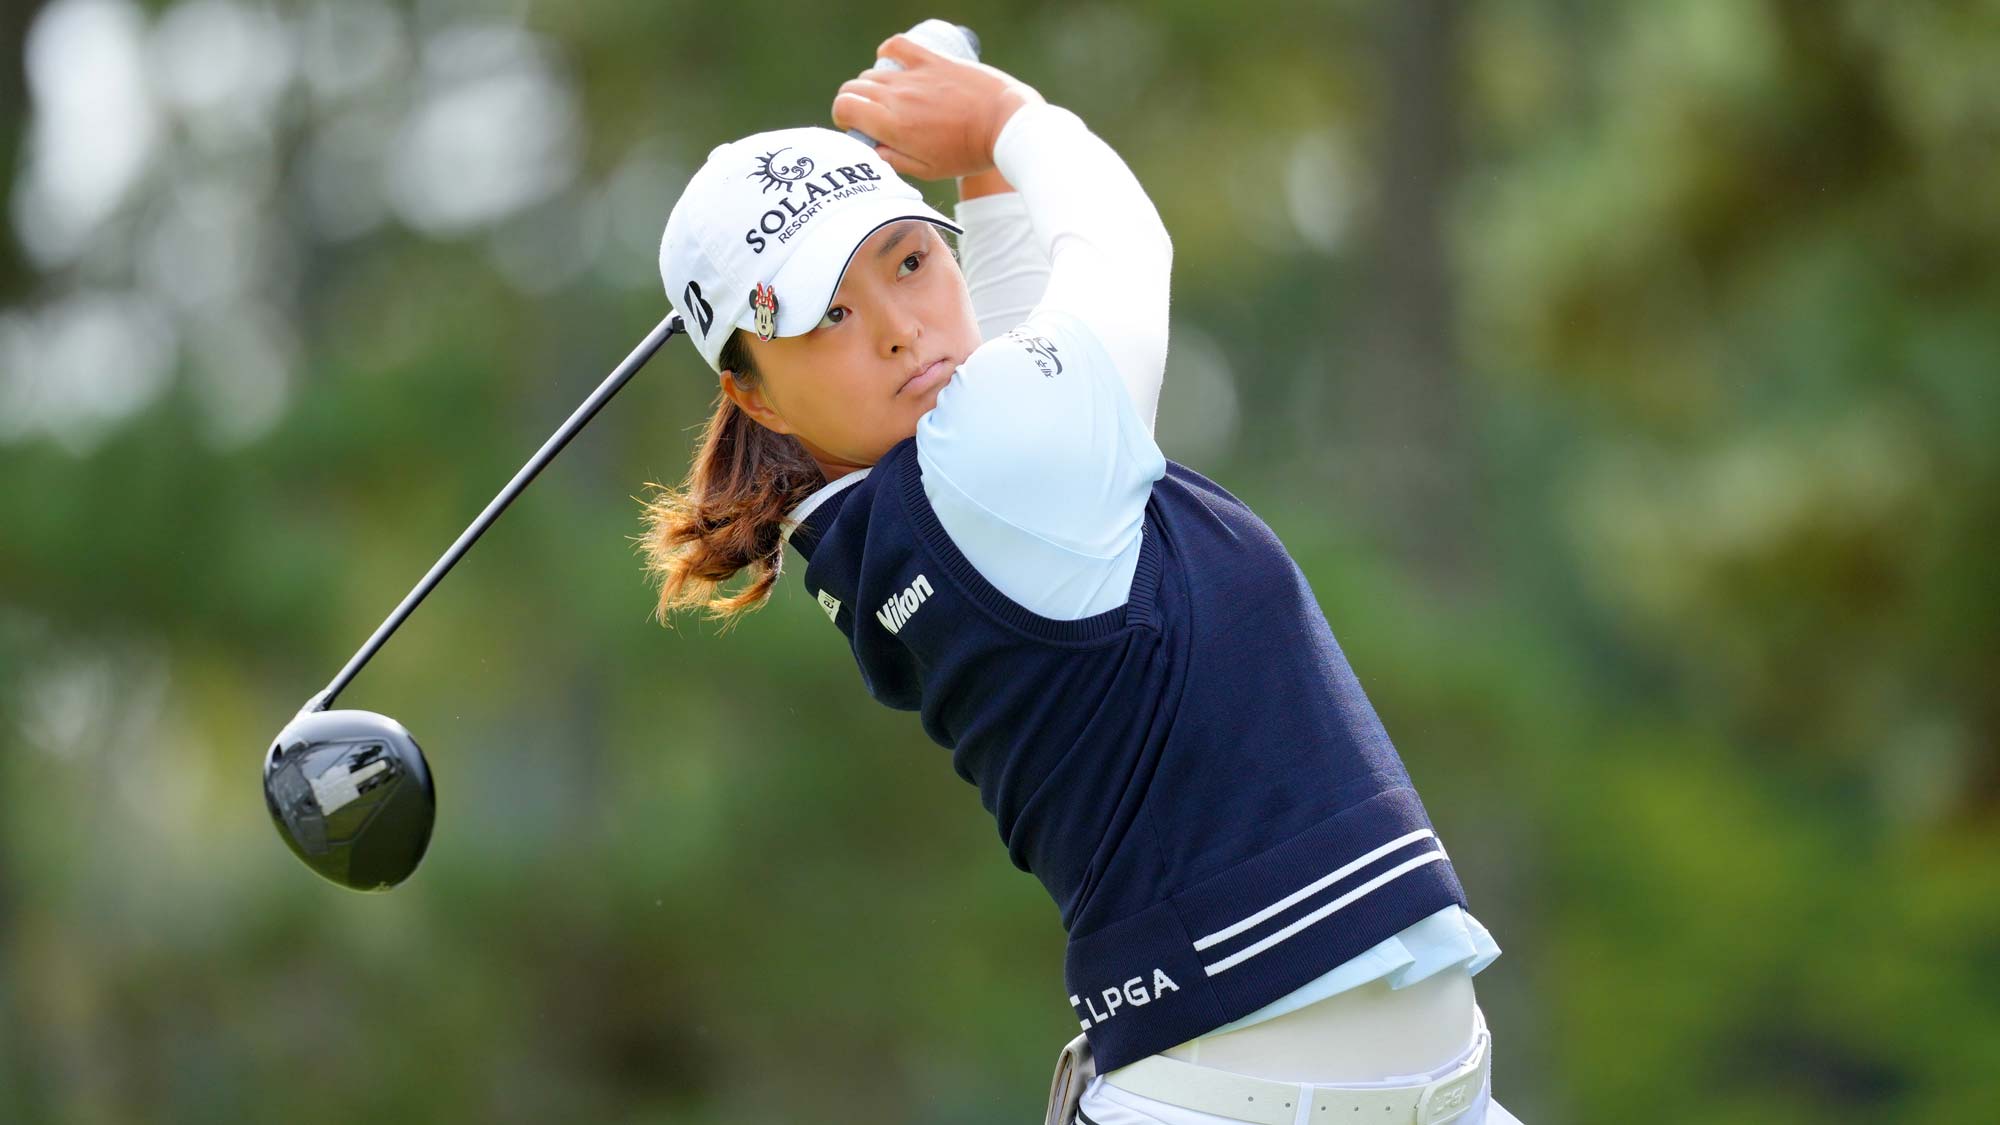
x: 1453, y: 1094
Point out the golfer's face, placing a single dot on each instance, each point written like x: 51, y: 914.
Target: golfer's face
x: 855, y: 385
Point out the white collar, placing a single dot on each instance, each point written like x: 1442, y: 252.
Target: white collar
x: 810, y: 504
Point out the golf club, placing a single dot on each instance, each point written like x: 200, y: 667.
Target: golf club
x: 954, y: 40
x: 350, y: 791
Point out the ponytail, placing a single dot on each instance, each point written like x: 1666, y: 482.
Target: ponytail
x: 727, y: 516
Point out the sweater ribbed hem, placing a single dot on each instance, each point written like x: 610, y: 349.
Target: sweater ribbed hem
x: 1235, y: 941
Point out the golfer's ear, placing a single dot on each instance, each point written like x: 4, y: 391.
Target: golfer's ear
x: 750, y: 400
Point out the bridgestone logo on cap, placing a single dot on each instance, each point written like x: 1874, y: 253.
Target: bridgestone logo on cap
x: 704, y: 313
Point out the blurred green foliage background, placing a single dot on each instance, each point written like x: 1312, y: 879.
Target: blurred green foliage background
x: 1622, y: 374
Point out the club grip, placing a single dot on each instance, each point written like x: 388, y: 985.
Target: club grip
x: 942, y: 36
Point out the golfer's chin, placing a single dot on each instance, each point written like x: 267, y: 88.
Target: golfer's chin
x: 910, y: 410
x: 924, y: 403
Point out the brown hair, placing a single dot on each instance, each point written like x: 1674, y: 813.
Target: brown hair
x: 727, y: 516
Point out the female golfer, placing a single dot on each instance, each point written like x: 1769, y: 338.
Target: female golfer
x: 1263, y: 925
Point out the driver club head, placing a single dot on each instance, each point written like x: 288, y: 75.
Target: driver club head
x: 351, y: 794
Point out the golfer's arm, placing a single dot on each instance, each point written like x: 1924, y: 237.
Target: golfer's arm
x: 1110, y: 254
x: 1006, y: 267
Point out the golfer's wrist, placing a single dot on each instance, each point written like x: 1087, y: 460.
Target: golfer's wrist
x: 1012, y: 99
x: 981, y: 184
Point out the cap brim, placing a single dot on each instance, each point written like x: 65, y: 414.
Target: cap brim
x: 806, y: 284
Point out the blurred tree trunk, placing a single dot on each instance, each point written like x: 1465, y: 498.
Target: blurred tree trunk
x: 15, y: 19
x: 1409, y: 423
x: 579, y: 356
x: 14, y: 283
x: 1407, y: 408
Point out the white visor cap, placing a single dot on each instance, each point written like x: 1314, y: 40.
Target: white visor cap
x: 786, y: 210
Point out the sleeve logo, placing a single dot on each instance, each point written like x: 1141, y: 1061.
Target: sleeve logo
x: 1042, y: 351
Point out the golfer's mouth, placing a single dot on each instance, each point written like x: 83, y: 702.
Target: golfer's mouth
x: 930, y: 375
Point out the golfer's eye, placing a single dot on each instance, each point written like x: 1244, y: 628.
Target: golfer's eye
x: 913, y: 261
x: 829, y: 320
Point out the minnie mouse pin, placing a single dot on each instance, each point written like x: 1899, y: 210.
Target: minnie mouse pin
x: 765, y: 300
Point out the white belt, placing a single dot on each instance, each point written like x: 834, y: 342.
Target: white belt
x: 1265, y: 1102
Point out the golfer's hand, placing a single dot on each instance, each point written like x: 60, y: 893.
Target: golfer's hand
x: 935, y: 119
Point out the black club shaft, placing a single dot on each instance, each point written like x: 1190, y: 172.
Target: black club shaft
x: 526, y: 476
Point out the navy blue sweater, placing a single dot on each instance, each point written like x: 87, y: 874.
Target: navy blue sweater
x: 1196, y: 776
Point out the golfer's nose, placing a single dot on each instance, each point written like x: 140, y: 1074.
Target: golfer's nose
x: 900, y: 332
